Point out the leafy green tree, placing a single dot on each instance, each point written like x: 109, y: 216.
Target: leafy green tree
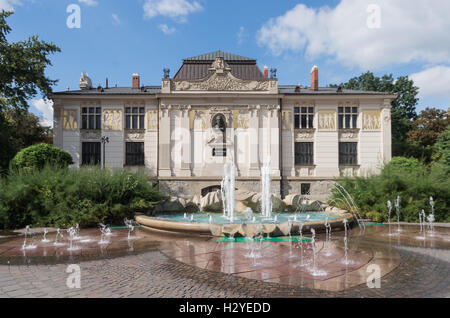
x: 403, y: 107
x: 22, y: 76
x: 442, y: 148
x: 38, y: 156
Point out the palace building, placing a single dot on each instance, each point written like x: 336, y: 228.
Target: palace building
x: 220, y: 108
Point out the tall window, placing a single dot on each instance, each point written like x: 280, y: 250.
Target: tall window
x: 134, y: 117
x: 90, y: 153
x: 91, y: 118
x: 347, y: 117
x: 348, y: 153
x: 304, y: 153
x: 303, y: 117
x: 134, y: 154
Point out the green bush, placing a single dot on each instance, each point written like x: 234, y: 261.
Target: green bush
x: 59, y: 197
x: 414, y: 182
x: 37, y: 156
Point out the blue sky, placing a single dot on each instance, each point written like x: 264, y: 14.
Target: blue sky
x: 343, y: 37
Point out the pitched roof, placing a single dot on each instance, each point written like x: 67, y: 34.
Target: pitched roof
x: 213, y: 55
x: 197, y: 67
x: 291, y: 90
x: 149, y: 90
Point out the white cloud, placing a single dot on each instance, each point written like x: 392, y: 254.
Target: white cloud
x: 166, y: 29
x: 177, y: 9
x: 433, y: 82
x: 410, y: 31
x: 90, y: 3
x: 116, y: 18
x: 8, y: 5
x: 45, y: 107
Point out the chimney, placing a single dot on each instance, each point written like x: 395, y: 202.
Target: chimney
x: 266, y: 71
x: 315, y: 78
x: 136, y: 81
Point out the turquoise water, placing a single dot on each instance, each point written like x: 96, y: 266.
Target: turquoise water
x: 239, y: 219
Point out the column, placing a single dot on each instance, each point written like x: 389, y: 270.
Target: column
x: 164, y: 141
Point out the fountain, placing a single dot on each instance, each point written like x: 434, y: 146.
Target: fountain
x: 327, y: 238
x: 422, y: 225
x: 346, y: 260
x: 313, y: 270
x: 228, y: 188
x: 104, y: 232
x: 266, y: 196
x: 58, y: 235
x: 397, y: 209
x: 44, y: 238
x: 72, y: 232
x: 31, y: 245
x: 129, y: 224
x: 389, y: 205
x: 431, y: 218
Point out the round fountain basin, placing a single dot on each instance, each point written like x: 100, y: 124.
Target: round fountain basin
x: 241, y: 225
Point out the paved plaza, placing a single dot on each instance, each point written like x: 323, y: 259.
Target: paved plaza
x: 149, y: 270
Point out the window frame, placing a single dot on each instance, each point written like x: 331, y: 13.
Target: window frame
x: 304, y: 117
x: 348, y: 117
x: 135, y: 118
x: 91, y: 120
x: 133, y: 157
x: 302, y: 157
x: 96, y: 155
x: 348, y: 156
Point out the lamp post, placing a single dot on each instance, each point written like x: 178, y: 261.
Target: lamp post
x: 104, y: 140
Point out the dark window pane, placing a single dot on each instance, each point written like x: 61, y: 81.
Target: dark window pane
x: 296, y: 121
x: 340, y: 109
x: 354, y: 109
x: 354, y: 121
x: 84, y: 122
x: 311, y: 110
x: 134, y: 155
x: 305, y: 188
x: 304, y: 121
x: 128, y: 110
x: 141, y: 122
x: 303, y: 110
x: 135, y: 110
x: 91, y: 110
x: 91, y: 122
x: 98, y: 122
x: 311, y: 121
x: 348, y: 153
x: 347, y: 121
x: 135, y: 122
x: 347, y: 109
x: 296, y: 110
x: 98, y: 110
x: 90, y: 153
x: 341, y: 121
x: 84, y: 110
x: 128, y: 122
x: 304, y: 153
x: 142, y: 110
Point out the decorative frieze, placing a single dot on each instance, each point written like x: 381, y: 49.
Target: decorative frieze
x: 91, y: 135
x: 371, y: 120
x: 70, y: 119
x: 286, y: 120
x: 152, y: 120
x: 327, y: 120
x: 241, y: 119
x: 112, y: 119
x: 304, y: 135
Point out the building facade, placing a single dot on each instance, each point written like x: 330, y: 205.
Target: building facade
x: 221, y: 108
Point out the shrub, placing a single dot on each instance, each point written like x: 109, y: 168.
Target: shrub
x: 37, y: 156
x: 414, y: 182
x: 59, y: 197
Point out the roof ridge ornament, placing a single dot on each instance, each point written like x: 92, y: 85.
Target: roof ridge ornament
x: 219, y: 66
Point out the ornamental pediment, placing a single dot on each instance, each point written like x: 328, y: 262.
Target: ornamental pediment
x: 221, y: 79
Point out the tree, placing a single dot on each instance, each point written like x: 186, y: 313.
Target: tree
x: 442, y: 148
x: 403, y: 107
x: 428, y: 125
x: 22, y: 76
x: 38, y: 156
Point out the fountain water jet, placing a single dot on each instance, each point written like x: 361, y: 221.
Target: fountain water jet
x: 25, y: 246
x: 266, y: 196
x: 227, y: 189
x: 45, y: 239
x: 397, y: 209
